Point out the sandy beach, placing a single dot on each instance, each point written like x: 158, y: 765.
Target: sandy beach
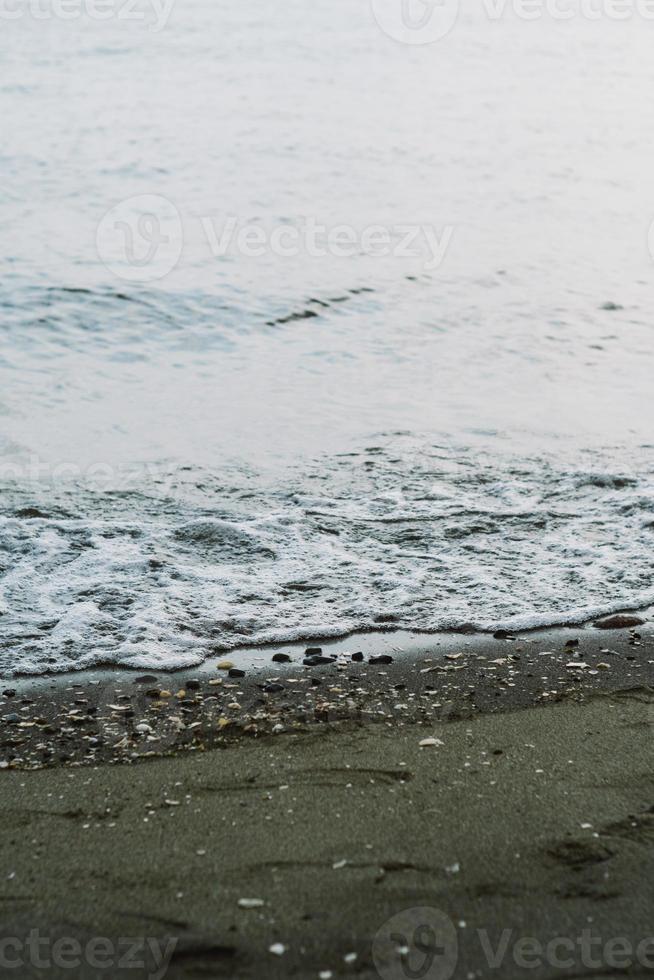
x: 495, y: 795
x: 326, y: 490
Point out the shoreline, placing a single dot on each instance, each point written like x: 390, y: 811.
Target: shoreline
x: 396, y: 678
x: 373, y: 636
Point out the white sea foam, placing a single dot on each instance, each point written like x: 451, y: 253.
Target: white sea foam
x: 420, y: 540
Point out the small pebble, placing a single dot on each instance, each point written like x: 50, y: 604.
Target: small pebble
x: 251, y: 903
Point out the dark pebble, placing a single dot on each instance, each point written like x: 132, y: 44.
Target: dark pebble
x: 236, y: 672
x: 146, y: 679
x: 192, y: 685
x: 357, y: 657
x: 312, y: 651
x: 618, y: 622
x: 316, y: 661
x: 572, y: 643
x: 503, y: 635
x: 10, y: 692
x: 383, y: 659
x: 281, y: 658
x: 273, y: 688
x: 315, y: 682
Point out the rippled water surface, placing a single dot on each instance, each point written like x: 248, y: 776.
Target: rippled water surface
x: 274, y: 446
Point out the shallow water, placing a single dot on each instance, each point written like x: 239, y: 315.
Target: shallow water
x: 193, y: 462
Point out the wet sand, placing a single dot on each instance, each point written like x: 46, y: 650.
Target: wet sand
x: 377, y: 678
x: 517, y: 814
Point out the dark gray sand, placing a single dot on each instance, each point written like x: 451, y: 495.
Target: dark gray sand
x: 510, y: 843
x: 381, y: 678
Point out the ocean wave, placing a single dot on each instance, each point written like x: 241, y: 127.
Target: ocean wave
x: 164, y: 574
